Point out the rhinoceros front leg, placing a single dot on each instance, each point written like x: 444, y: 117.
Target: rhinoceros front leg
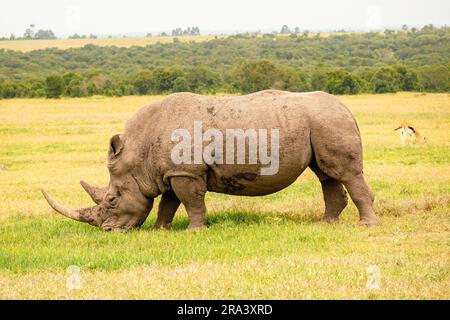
x: 191, y: 192
x: 166, y: 211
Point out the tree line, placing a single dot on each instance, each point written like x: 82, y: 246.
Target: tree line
x: 340, y: 64
x: 30, y: 34
x: 189, y: 31
x: 42, y: 34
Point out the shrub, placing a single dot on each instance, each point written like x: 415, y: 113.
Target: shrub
x: 54, y: 86
x: 385, y: 80
x: 341, y: 82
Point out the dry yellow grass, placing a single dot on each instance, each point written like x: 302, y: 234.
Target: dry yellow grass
x: 29, y: 45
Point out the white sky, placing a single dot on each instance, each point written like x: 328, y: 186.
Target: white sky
x: 66, y: 17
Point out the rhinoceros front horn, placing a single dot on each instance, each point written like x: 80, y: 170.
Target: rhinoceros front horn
x: 96, y: 194
x: 89, y: 215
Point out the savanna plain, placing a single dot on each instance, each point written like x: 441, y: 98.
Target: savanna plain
x: 271, y: 247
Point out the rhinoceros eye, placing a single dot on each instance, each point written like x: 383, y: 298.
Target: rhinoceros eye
x: 112, y: 200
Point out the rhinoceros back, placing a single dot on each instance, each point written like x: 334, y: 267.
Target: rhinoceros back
x: 300, y: 118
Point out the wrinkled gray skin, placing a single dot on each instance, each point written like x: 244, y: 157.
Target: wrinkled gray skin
x: 316, y: 131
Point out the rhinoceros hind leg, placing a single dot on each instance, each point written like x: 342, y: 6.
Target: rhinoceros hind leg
x: 363, y: 198
x: 166, y: 211
x: 191, y: 192
x: 334, y: 195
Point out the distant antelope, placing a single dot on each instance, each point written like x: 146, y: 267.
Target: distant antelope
x: 411, y: 130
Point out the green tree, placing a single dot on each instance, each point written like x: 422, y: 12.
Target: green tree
x: 295, y: 79
x: 434, y: 78
x: 73, y: 89
x: 319, y: 78
x: 91, y: 89
x: 341, y: 82
x: 7, y: 89
x: 35, y: 87
x: 408, y: 78
x: 252, y: 76
x: 44, y: 34
x: 142, y: 81
x: 202, y: 79
x: 54, y: 86
x: 385, y: 80
x: 180, y: 84
x: 285, y: 30
x: 29, y: 32
x: 163, y: 79
x: 69, y: 76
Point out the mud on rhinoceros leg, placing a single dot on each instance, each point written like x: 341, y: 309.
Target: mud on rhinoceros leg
x: 363, y: 198
x: 166, y: 211
x: 191, y: 192
x: 334, y: 195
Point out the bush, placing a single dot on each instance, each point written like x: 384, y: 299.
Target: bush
x: 73, y: 89
x: 8, y: 89
x: 252, y: 76
x: 434, y: 78
x: 91, y: 89
x: 142, y: 81
x: 180, y: 85
x: 296, y: 80
x: 202, y: 80
x: 54, y: 86
x: 163, y: 79
x: 408, y: 78
x: 341, y: 82
x: 319, y: 78
x: 385, y: 80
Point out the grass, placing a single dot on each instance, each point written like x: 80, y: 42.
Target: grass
x: 29, y: 45
x: 264, y: 247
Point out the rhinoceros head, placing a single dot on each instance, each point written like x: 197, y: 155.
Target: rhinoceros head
x: 119, y: 206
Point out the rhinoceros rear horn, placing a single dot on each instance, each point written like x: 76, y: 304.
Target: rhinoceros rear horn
x: 90, y: 215
x: 96, y: 194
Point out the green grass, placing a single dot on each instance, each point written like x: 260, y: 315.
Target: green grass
x: 263, y: 247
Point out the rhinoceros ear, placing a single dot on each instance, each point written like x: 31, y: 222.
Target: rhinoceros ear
x: 115, y: 146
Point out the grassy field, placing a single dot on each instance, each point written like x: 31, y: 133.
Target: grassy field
x: 29, y: 45
x: 265, y: 247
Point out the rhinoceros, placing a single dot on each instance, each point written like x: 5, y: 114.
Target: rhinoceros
x: 313, y: 129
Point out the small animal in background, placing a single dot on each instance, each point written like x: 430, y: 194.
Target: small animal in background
x: 412, y: 132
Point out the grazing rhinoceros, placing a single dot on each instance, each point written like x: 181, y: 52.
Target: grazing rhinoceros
x: 152, y: 158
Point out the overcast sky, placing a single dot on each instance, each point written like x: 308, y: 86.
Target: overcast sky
x: 66, y: 17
